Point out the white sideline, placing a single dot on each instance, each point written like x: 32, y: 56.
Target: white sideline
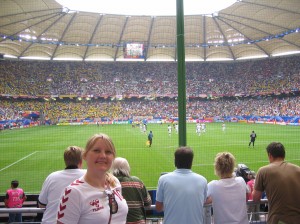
x: 18, y: 161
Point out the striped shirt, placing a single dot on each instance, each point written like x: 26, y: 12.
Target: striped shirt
x: 137, y: 198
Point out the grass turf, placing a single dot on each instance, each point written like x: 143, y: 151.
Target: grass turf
x: 29, y: 155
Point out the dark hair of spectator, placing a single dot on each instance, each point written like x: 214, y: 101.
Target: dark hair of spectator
x: 15, y: 183
x: 276, y: 149
x: 184, y: 157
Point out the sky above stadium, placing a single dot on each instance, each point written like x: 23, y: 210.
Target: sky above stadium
x: 146, y: 7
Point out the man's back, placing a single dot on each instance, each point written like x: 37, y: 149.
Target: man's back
x: 183, y: 194
x: 15, y: 198
x: 52, y: 190
x: 281, y: 182
x: 137, y: 197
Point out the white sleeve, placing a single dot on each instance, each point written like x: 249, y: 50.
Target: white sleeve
x: 43, y: 196
x: 210, y: 188
x: 69, y: 207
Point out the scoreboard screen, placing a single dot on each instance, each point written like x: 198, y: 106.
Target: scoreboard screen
x: 134, y: 50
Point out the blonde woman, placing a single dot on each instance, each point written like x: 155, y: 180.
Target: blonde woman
x: 227, y: 195
x: 96, y: 197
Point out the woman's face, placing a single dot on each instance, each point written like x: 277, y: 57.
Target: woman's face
x: 99, y: 157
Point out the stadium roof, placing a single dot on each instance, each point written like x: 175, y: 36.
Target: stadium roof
x: 248, y: 28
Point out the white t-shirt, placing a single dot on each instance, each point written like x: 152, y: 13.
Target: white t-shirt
x: 83, y: 203
x: 228, y: 200
x: 52, y: 189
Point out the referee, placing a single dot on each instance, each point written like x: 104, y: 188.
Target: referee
x: 252, y: 139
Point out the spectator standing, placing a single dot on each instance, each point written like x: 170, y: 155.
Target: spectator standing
x: 97, y: 196
x: 133, y: 190
x: 181, y: 194
x: 56, y: 182
x: 252, y: 139
x: 280, y: 181
x: 150, y: 137
x: 227, y: 195
x: 250, y: 184
x: 14, y: 198
x: 253, y: 209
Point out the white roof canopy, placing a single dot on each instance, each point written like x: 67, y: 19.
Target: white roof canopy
x: 246, y: 29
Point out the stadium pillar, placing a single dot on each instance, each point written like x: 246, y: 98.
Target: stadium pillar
x: 181, y: 73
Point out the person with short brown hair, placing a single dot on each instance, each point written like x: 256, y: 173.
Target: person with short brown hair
x: 281, y: 182
x: 181, y: 194
x: 56, y: 182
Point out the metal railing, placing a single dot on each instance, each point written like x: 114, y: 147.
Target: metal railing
x: 254, y: 213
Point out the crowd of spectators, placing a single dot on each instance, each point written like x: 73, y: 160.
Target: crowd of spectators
x: 166, y: 108
x: 32, y: 78
x: 268, y: 87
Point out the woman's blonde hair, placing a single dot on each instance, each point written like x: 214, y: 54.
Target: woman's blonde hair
x: 110, y: 179
x: 224, y: 164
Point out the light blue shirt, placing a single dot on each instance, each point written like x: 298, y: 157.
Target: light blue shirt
x: 183, y: 194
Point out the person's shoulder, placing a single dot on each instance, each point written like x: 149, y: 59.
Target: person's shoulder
x: 199, y: 176
x: 264, y: 169
x: 117, y: 181
x: 77, y: 190
x: 212, y: 182
x: 78, y: 183
x: 117, y: 184
x: 290, y: 164
x: 240, y: 180
x: 293, y: 165
x: 56, y: 173
x: 80, y: 171
x: 59, y: 173
x: 166, y: 175
x: 137, y: 179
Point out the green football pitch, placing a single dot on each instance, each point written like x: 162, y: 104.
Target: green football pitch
x: 29, y: 155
